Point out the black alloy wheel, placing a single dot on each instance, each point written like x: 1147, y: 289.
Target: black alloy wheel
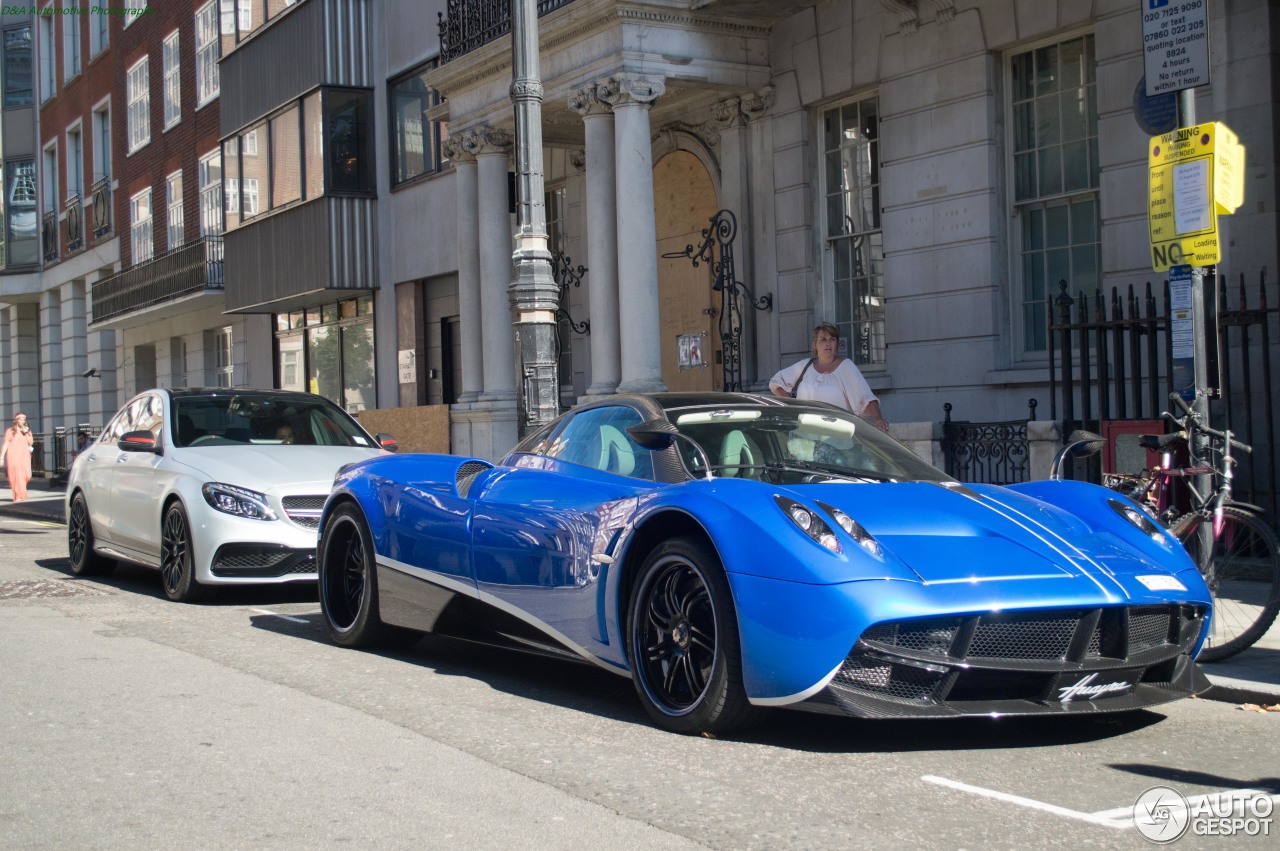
x: 177, y: 562
x: 683, y: 638
x: 80, y: 542
x: 349, y: 584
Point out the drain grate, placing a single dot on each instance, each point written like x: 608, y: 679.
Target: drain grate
x: 27, y: 589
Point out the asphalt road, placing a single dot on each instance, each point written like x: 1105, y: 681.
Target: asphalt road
x: 130, y: 721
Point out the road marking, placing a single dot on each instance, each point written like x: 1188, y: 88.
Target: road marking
x: 1120, y: 818
x: 278, y: 615
x: 1104, y: 819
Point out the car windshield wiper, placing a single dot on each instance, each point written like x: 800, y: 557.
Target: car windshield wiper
x: 798, y: 466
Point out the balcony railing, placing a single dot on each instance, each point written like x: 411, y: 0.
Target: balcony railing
x: 193, y: 268
x: 471, y: 24
x: 49, y: 236
x: 75, y: 223
x: 101, y: 196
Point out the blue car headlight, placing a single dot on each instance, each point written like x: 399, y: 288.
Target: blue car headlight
x: 240, y: 502
x: 1138, y: 518
x: 810, y: 522
x: 854, y: 529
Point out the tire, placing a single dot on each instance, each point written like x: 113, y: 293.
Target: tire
x: 1244, y: 581
x: 177, y: 560
x: 349, y: 584
x: 683, y: 638
x: 80, y: 542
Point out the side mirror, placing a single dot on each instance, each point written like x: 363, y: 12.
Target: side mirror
x: 137, y: 441
x: 659, y: 434
x: 387, y: 442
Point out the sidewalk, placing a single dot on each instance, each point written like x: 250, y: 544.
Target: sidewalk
x: 1249, y: 677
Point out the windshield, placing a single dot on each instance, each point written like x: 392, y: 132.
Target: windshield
x: 795, y: 445
x: 224, y: 419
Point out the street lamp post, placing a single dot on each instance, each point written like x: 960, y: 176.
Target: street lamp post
x: 533, y: 291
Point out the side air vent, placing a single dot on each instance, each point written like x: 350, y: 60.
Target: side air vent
x: 466, y: 475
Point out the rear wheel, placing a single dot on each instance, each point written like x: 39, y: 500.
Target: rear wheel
x: 683, y: 636
x: 1244, y: 580
x: 80, y: 541
x: 349, y: 584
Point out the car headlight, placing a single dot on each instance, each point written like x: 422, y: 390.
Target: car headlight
x: 240, y: 502
x: 1138, y: 518
x: 854, y: 528
x: 810, y: 522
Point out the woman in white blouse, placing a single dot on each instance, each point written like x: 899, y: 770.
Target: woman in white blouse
x: 827, y: 377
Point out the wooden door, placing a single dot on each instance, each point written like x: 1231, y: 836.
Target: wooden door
x: 684, y: 202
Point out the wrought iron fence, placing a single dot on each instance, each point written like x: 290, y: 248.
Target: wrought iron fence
x: 75, y: 224
x: 49, y: 236
x: 995, y: 453
x: 101, y: 207
x: 53, y: 452
x: 470, y: 24
x: 1111, y: 359
x: 192, y: 268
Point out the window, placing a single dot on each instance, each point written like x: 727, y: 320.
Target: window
x: 349, y: 143
x: 75, y: 163
x: 17, y: 67
x: 1055, y: 180
x: 207, y: 49
x: 173, y: 194
x: 101, y: 142
x: 224, y: 364
x: 330, y: 353
x: 51, y: 179
x: 172, y: 81
x: 22, y: 235
x: 254, y: 170
x: 211, y: 194
x: 48, y: 79
x: 179, y: 368
x: 598, y: 439
x: 286, y: 157
x: 252, y: 15
x: 139, y: 97
x: 854, y: 242
x: 70, y: 38
x: 140, y: 226
x: 99, y: 34
x: 415, y: 141
x: 133, y: 9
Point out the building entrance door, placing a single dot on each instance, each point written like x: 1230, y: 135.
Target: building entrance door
x: 684, y: 202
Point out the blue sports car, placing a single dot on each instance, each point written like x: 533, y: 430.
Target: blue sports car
x: 733, y: 552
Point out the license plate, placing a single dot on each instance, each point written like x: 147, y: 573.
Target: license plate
x: 1092, y: 685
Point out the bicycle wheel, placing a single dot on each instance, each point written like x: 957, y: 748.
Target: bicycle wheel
x: 1244, y: 579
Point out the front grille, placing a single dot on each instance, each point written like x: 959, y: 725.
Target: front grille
x: 305, y: 510
x: 1042, y: 637
x: 261, y: 561
x: 888, y: 680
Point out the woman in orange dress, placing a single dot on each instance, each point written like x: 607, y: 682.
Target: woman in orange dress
x: 16, y: 455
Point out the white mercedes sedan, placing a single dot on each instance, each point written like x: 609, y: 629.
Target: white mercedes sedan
x: 211, y: 486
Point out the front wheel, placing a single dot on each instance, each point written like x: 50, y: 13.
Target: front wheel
x: 1244, y: 580
x: 349, y: 584
x: 683, y: 637
x: 177, y: 558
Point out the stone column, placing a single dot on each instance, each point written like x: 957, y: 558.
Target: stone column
x: 602, y: 239
x: 464, y: 164
x: 492, y: 150
x: 640, y: 334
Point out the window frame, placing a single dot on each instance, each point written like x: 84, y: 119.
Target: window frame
x: 860, y: 316
x: 138, y: 105
x: 132, y: 10
x: 434, y: 133
x: 208, y: 52
x: 171, y: 79
x: 1028, y: 310
x: 174, y: 211
x: 72, y: 49
x: 141, y: 231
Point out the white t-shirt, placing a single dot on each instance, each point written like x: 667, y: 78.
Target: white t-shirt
x: 844, y: 386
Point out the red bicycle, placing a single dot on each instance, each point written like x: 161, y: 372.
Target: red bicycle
x: 1232, y: 546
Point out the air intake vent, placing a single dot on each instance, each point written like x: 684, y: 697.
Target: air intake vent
x: 467, y: 475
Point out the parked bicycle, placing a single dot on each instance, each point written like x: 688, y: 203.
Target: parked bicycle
x: 1231, y: 544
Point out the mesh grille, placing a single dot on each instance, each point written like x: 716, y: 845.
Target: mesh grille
x: 1148, y: 628
x: 305, y: 510
x: 466, y: 475
x: 1023, y: 638
x: 885, y: 679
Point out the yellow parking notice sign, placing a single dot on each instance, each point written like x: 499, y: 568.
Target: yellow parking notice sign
x: 1196, y: 173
